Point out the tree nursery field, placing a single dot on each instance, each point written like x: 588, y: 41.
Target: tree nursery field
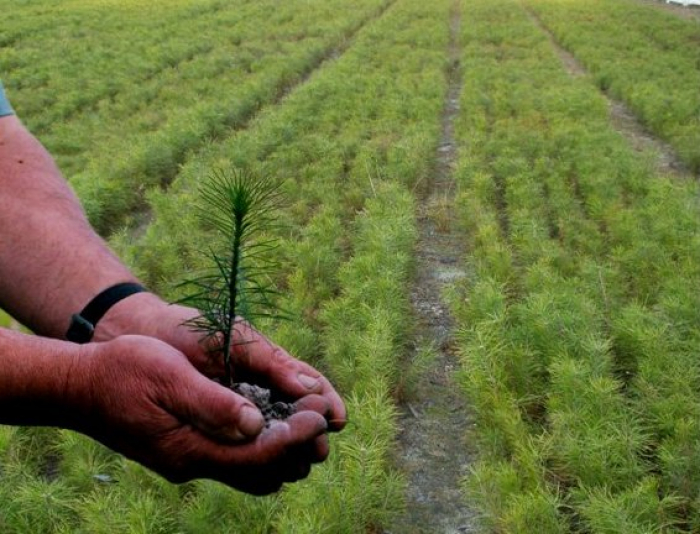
x: 575, y: 322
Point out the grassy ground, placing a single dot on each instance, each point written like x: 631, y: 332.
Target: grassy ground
x: 578, y: 339
x: 652, y: 65
x: 348, y: 152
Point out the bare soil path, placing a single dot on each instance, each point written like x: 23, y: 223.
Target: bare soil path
x: 622, y: 118
x: 433, y: 450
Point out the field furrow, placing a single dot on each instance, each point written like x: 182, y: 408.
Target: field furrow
x: 434, y: 449
x: 624, y: 120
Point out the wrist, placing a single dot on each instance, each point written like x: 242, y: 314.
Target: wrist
x: 40, y: 380
x: 82, y: 326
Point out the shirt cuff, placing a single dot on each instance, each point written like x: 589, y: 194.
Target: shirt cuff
x: 5, y: 107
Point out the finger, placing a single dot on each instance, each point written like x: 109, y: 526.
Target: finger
x: 313, y: 451
x: 259, y: 487
x: 321, y: 405
x: 321, y: 449
x: 286, y: 374
x: 187, y: 455
x: 313, y: 403
x: 295, y: 471
x: 299, y: 380
x: 273, y: 444
x: 290, y: 437
x: 214, y: 409
x: 260, y: 467
x: 302, y: 472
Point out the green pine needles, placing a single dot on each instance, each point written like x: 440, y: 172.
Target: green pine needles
x: 240, y: 209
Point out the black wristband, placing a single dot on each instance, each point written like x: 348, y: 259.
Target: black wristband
x: 82, y: 325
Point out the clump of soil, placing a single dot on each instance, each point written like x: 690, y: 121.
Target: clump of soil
x: 262, y: 398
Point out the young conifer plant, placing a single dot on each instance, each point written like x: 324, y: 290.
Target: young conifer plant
x: 239, y: 208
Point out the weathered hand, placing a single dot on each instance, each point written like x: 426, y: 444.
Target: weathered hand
x: 141, y: 396
x: 258, y: 360
x: 144, y: 399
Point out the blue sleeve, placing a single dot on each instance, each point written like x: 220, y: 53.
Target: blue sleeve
x: 5, y: 107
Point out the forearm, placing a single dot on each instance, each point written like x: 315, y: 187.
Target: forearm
x: 38, y: 380
x: 51, y: 261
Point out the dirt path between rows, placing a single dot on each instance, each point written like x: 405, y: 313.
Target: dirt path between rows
x: 622, y: 118
x: 434, y: 452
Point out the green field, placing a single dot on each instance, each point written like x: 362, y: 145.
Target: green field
x: 577, y: 324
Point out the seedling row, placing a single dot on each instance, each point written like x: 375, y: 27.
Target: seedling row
x: 645, y: 57
x: 140, y: 124
x: 347, y: 148
x: 578, y: 324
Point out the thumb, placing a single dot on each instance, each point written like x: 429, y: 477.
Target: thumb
x: 216, y: 410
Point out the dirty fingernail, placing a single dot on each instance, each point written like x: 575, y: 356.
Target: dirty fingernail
x: 309, y: 382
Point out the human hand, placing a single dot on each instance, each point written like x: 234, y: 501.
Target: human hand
x: 144, y: 399
x: 258, y: 360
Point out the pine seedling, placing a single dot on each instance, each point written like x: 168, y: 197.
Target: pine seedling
x: 240, y: 209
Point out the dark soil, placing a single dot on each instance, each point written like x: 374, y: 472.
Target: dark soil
x: 262, y: 398
x: 433, y: 450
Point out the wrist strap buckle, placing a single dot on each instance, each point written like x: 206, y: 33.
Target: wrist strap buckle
x: 82, y: 325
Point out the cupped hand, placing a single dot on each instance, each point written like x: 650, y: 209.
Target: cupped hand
x: 144, y: 399
x: 256, y: 359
